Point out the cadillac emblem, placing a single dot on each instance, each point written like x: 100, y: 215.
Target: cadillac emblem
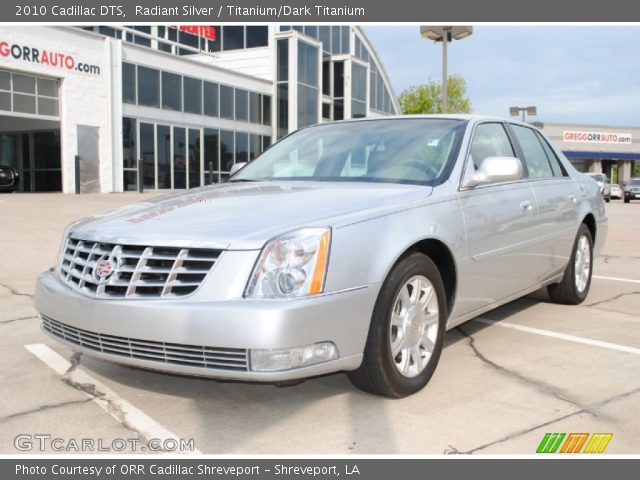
x: 104, y: 269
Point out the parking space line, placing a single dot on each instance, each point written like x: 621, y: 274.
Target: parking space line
x: 125, y: 413
x: 616, y: 279
x: 561, y: 336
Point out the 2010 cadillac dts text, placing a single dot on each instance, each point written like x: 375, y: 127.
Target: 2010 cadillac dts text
x: 350, y: 246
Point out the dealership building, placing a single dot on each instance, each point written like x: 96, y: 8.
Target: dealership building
x: 105, y: 108
x: 598, y: 148
x: 110, y: 109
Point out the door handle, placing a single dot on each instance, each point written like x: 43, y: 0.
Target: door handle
x: 526, y: 206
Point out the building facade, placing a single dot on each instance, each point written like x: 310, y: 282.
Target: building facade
x: 104, y: 109
x: 598, y: 148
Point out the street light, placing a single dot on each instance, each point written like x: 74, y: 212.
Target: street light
x: 445, y: 34
x: 515, y: 111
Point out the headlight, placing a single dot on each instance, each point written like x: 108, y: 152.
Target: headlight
x: 292, y: 265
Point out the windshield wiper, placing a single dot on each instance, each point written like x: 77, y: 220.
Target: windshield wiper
x: 242, y: 180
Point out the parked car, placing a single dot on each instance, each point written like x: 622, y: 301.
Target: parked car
x: 632, y: 190
x: 616, y: 191
x: 350, y: 246
x: 603, y: 184
x: 8, y: 179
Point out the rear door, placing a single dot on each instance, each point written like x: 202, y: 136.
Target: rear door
x: 499, y: 224
x: 557, y: 197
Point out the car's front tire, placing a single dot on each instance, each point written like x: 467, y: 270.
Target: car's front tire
x: 407, y: 330
x: 574, y: 287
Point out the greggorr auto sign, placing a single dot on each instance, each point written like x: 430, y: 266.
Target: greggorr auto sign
x: 577, y: 136
x: 45, y: 57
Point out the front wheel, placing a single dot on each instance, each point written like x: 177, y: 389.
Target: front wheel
x: 407, y: 330
x: 574, y: 287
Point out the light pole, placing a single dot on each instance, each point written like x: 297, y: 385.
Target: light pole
x: 531, y: 110
x: 445, y: 34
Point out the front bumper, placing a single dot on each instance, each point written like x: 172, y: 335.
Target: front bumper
x: 342, y: 318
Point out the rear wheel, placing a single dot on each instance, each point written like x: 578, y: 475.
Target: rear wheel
x: 574, y: 287
x: 407, y: 331
x: 627, y: 199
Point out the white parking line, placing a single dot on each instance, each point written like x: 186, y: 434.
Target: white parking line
x: 561, y: 336
x: 108, y: 400
x: 616, y: 279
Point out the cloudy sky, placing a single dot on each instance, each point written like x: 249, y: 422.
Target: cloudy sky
x: 572, y: 74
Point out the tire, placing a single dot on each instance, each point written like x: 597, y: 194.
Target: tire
x: 607, y: 198
x: 573, y: 290
x: 397, y: 319
x: 626, y: 200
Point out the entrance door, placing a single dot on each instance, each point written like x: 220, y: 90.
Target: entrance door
x: 89, y: 159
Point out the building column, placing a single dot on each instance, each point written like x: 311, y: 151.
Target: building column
x: 593, y: 165
x: 625, y: 168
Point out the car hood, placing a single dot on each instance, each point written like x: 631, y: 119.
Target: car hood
x: 243, y: 216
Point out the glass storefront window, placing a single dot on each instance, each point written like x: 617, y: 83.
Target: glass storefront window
x: 283, y: 60
x: 242, y: 105
x: 266, y: 110
x: 283, y: 109
x: 148, y: 87
x: 226, y: 102
x: 24, y: 83
x: 211, y: 99
x: 242, y: 147
x: 128, y: 83
x: 163, y: 148
x: 194, y: 158
x: 192, y: 95
x: 232, y: 37
x: 307, y: 64
x: 227, y: 149
x: 171, y: 91
x: 129, y: 154
x: 307, y: 105
x: 147, y: 154
x: 179, y: 158
x: 254, y: 107
x: 211, y: 157
x: 257, y: 36
x: 254, y: 146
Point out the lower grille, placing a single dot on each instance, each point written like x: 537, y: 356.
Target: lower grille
x: 162, y: 352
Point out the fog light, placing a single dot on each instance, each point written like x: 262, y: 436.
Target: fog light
x: 286, y: 359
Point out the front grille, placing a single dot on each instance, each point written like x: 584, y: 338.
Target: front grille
x: 163, y: 352
x: 134, y: 271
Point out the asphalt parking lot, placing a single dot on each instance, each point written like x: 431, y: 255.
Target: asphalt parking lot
x: 503, y: 381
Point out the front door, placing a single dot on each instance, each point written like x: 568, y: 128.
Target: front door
x: 499, y: 224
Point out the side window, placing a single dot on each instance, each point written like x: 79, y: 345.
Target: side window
x: 556, y: 166
x: 490, y: 140
x: 535, y: 158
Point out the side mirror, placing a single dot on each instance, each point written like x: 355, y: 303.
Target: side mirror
x: 496, y: 170
x: 237, y: 167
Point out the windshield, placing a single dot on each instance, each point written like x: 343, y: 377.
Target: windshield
x: 634, y: 182
x: 406, y: 150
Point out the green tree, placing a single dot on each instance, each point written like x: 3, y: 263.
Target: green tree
x: 428, y: 98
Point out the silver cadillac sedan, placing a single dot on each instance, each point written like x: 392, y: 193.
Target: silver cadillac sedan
x: 351, y: 246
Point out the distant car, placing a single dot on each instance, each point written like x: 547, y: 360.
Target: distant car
x: 632, y: 190
x: 616, y: 191
x: 345, y: 246
x: 8, y: 179
x: 603, y: 183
